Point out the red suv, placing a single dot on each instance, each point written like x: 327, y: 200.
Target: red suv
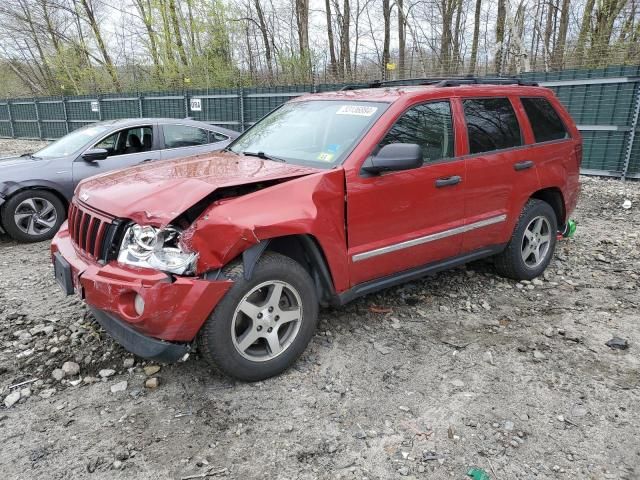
x: 329, y: 197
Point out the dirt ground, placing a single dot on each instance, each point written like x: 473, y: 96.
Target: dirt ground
x: 425, y: 380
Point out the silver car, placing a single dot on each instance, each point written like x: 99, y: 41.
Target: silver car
x: 35, y: 189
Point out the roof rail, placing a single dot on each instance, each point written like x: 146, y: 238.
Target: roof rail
x: 442, y: 82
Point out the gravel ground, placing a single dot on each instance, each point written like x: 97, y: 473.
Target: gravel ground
x: 421, y: 381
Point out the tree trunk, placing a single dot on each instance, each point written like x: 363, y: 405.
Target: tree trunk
x: 332, y: 48
x: 558, y: 52
x: 95, y: 28
x: 402, y: 39
x: 476, y: 34
x: 265, y: 39
x: 147, y: 19
x: 502, y: 11
x: 302, y: 19
x: 386, y: 15
x: 346, y: 37
x: 457, y: 55
x: 173, y: 14
x: 585, y: 32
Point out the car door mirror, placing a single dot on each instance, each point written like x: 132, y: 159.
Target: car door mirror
x: 94, y: 154
x: 393, y: 157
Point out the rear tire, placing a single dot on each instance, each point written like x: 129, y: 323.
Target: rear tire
x: 532, y: 244
x: 33, y: 215
x: 262, y: 325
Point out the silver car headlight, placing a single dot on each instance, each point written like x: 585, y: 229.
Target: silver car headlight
x: 157, y: 248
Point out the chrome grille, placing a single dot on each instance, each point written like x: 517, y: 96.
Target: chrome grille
x: 89, y: 230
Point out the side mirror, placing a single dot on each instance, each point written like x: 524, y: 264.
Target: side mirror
x: 94, y: 154
x: 394, y: 156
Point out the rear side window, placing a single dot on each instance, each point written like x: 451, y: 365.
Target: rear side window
x: 491, y: 124
x: 544, y: 120
x: 176, y: 136
x: 430, y: 126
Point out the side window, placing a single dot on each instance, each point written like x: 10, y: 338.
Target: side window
x: 129, y: 140
x: 109, y: 143
x: 215, y: 137
x: 544, y: 120
x: 429, y: 125
x: 491, y: 124
x: 176, y: 136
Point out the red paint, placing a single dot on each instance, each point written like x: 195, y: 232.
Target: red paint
x: 345, y: 212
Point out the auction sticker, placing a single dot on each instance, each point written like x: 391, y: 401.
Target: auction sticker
x: 358, y: 110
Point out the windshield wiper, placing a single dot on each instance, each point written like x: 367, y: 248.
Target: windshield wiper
x: 264, y: 156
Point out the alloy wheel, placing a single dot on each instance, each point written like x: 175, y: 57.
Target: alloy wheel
x: 536, y: 242
x: 267, y: 320
x: 35, y: 216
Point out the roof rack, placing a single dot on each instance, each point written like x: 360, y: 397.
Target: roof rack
x: 442, y: 82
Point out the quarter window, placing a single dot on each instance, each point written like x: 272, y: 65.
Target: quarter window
x: 544, y: 120
x: 176, y: 136
x: 430, y: 126
x: 491, y: 124
x: 215, y: 137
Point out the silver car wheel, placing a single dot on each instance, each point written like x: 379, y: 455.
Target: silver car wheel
x: 35, y: 216
x: 267, y: 321
x: 536, y: 242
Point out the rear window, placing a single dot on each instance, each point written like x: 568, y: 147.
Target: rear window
x: 491, y: 124
x: 544, y: 120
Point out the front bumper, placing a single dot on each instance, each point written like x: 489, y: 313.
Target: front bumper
x: 175, y: 307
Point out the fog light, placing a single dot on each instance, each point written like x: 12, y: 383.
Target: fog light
x: 138, y: 304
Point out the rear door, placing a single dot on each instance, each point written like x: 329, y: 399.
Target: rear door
x: 185, y: 140
x: 500, y: 170
x: 127, y: 147
x: 401, y: 220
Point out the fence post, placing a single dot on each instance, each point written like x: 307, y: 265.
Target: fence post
x: 99, y: 98
x: 13, y: 130
x: 185, y: 94
x: 632, y: 133
x: 140, y: 104
x: 35, y: 102
x: 241, y: 108
x: 66, y: 116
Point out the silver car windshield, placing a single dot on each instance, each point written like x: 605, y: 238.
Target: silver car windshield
x: 72, y: 142
x: 318, y: 133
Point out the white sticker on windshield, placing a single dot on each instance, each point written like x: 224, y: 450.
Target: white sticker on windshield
x: 358, y: 110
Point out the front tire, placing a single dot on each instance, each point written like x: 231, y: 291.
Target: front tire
x: 33, y: 215
x: 262, y: 325
x: 532, y: 244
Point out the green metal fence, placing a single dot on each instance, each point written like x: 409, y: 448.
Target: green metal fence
x: 604, y: 103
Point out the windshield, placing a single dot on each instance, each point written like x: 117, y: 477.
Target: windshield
x: 72, y: 142
x: 319, y: 133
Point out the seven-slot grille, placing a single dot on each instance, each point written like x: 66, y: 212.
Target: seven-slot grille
x: 89, y: 230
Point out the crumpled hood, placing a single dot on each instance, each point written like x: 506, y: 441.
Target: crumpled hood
x: 158, y: 192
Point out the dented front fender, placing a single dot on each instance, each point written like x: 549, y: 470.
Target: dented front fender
x: 311, y: 205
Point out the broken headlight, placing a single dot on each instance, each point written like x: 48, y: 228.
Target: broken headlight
x: 157, y: 248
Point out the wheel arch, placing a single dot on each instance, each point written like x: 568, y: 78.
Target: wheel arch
x: 23, y: 188
x: 302, y: 248
x: 554, y: 197
x: 37, y: 186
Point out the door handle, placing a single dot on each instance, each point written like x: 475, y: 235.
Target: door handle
x: 523, y: 165
x: 145, y: 160
x: 448, y: 181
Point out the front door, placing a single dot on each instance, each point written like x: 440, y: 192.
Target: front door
x: 127, y: 147
x: 400, y: 220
